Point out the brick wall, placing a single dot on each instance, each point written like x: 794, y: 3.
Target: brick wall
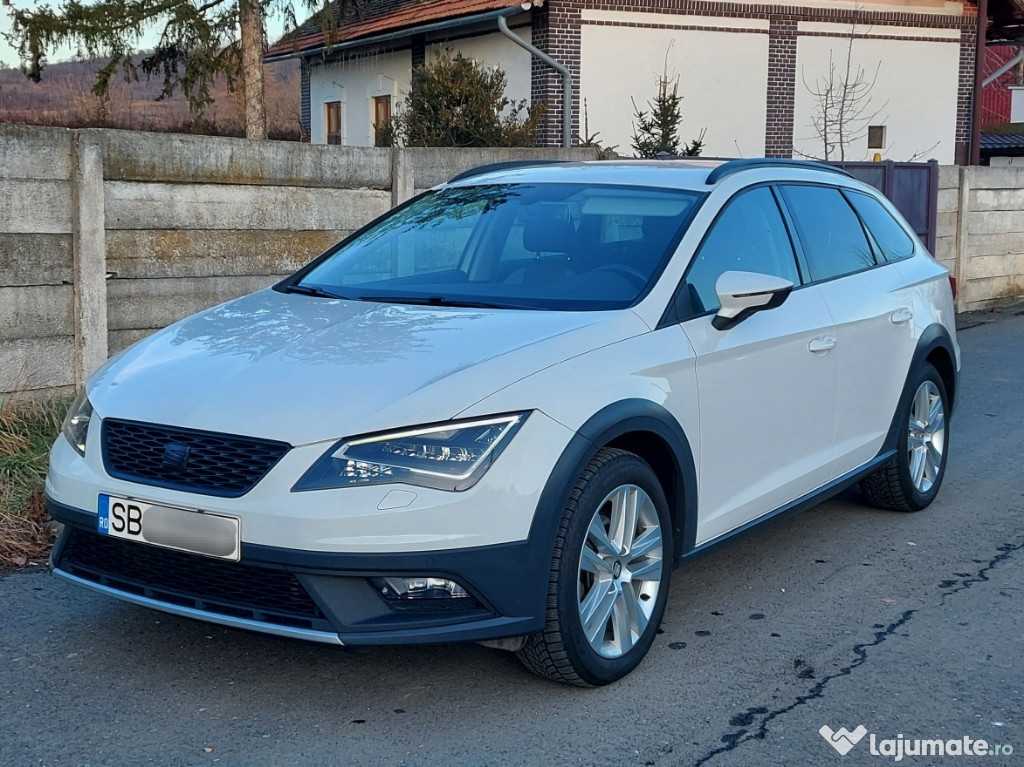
x: 965, y: 94
x: 419, y: 51
x: 304, y: 106
x: 778, y: 129
x: 557, y: 25
x: 556, y: 31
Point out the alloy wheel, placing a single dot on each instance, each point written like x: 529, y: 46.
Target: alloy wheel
x: 926, y: 439
x: 620, y: 571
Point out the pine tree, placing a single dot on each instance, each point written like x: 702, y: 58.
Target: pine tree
x: 656, y: 129
x: 198, y: 42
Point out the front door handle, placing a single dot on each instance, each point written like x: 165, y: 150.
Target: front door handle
x: 822, y: 345
x: 901, y: 315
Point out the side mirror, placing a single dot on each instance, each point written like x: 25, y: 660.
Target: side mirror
x: 741, y: 294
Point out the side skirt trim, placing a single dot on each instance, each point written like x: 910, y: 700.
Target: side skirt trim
x: 823, y: 493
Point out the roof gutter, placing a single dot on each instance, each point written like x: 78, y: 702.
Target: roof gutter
x: 437, y: 26
x: 557, y: 66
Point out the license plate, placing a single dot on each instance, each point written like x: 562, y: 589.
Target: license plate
x: 197, y: 532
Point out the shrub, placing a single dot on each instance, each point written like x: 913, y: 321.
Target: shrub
x: 456, y: 101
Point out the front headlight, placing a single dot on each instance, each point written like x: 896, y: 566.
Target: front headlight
x: 451, y: 456
x: 76, y: 422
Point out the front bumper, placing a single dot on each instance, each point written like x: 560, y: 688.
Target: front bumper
x: 319, y: 596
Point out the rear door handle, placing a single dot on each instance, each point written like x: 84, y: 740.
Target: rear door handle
x: 822, y: 345
x: 901, y: 315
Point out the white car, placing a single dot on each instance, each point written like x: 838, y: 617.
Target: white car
x: 505, y: 410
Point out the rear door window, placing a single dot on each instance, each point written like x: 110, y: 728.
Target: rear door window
x: 833, y: 239
x: 892, y: 238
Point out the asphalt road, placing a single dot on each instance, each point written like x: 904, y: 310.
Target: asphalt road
x: 907, y: 624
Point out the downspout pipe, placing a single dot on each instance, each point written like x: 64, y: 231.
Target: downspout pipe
x: 979, y: 68
x: 1004, y: 69
x: 557, y: 66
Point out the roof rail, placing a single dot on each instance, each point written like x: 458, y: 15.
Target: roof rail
x: 496, y: 166
x: 735, y: 166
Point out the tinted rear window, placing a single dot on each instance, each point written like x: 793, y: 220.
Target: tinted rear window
x: 833, y: 239
x: 893, y: 240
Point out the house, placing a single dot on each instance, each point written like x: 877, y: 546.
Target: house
x: 752, y: 74
x: 1003, y: 71
x: 1002, y: 114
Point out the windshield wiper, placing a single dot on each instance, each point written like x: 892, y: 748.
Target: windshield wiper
x: 440, y: 301
x: 310, y: 290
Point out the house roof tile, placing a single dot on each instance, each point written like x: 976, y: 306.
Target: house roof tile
x: 365, y: 18
x: 990, y: 141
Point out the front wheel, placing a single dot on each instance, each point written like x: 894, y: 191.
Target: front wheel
x: 911, y: 480
x: 609, y: 577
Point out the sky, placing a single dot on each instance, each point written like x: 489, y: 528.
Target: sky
x: 9, y: 55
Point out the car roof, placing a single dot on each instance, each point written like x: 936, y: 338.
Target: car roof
x: 695, y: 174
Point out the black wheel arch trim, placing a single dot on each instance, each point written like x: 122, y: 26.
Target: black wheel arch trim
x: 934, y: 337
x: 606, y: 425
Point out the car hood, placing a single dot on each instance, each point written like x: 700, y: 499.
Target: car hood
x: 303, y: 369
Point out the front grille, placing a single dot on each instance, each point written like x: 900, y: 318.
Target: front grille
x: 187, y: 459
x: 225, y: 588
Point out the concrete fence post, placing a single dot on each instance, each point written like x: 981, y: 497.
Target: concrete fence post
x: 963, y: 210
x: 403, y: 182
x: 89, y: 248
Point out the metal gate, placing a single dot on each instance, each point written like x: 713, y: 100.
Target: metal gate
x: 913, y: 187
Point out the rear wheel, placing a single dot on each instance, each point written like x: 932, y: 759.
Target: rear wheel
x: 911, y: 480
x: 609, y: 578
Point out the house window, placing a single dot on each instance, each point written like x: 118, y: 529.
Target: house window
x: 876, y: 137
x: 332, y: 119
x: 382, y: 120
x: 381, y: 110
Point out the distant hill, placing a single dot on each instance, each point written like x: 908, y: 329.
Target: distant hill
x: 64, y: 98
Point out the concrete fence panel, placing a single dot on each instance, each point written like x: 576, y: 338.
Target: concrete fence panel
x: 981, y: 233
x: 107, y: 236
x: 149, y: 157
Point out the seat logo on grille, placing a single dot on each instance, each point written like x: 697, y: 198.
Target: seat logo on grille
x: 175, y: 457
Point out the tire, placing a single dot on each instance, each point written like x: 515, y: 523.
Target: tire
x: 911, y: 480
x: 623, y: 592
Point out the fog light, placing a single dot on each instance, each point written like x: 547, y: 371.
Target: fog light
x: 401, y: 588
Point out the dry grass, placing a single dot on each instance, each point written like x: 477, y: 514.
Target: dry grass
x: 64, y: 98
x: 26, y: 432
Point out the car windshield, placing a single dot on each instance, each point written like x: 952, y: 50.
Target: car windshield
x: 525, y: 246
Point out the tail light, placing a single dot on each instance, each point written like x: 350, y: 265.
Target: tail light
x: 952, y: 285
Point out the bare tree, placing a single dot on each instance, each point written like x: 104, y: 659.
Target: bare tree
x: 843, y: 106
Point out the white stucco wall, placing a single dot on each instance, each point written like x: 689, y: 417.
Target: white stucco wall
x: 914, y: 94
x: 1017, y: 103
x: 723, y: 78
x: 354, y: 84
x: 933, y: 7
x: 495, y: 50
